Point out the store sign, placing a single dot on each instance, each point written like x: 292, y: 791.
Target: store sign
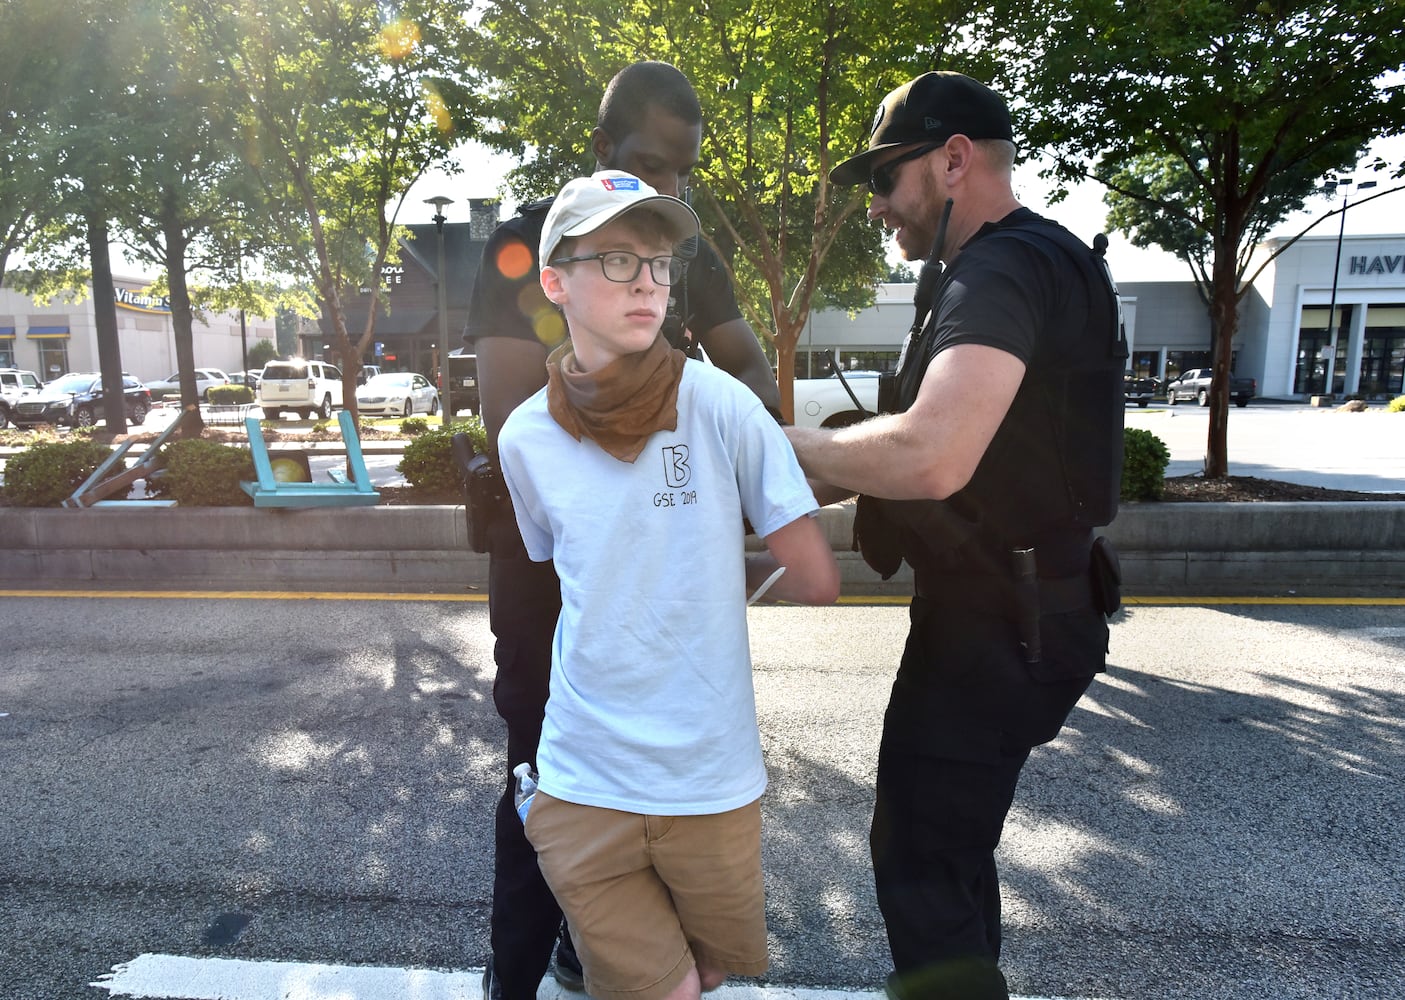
x: 142, y: 301
x: 1380, y: 264
x: 391, y: 274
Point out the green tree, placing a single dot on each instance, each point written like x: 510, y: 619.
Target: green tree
x: 30, y: 55
x: 84, y: 133
x: 342, y: 106
x: 788, y: 88
x: 183, y: 184
x: 261, y: 354
x: 1232, y: 109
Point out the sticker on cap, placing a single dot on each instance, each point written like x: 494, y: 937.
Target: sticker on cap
x: 620, y: 183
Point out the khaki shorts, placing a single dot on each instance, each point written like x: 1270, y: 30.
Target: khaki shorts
x: 648, y: 897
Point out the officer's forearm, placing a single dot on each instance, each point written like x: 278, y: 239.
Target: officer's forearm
x: 879, y: 456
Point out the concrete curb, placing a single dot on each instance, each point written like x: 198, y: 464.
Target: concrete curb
x: 1172, y: 549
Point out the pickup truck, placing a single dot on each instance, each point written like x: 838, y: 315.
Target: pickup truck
x: 1138, y: 390
x: 1194, y: 384
x: 823, y: 402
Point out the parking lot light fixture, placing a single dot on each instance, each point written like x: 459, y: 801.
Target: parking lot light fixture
x: 445, y: 381
x: 1329, y: 188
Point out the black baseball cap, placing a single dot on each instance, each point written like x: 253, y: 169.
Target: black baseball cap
x: 932, y: 108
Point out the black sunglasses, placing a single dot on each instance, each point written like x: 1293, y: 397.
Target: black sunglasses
x: 882, y: 182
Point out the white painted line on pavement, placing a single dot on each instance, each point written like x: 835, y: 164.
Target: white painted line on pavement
x: 178, y: 977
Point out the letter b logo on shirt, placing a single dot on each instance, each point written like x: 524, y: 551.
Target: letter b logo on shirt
x: 675, y: 466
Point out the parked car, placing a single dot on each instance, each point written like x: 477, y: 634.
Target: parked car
x: 305, y: 387
x: 15, y: 384
x: 76, y: 399
x: 463, y: 370
x: 367, y: 373
x: 824, y: 402
x: 1194, y: 384
x: 249, y: 378
x: 399, y: 394
x: 171, y: 384
x: 1139, y: 390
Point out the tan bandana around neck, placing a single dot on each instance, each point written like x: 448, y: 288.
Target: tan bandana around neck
x: 620, y: 405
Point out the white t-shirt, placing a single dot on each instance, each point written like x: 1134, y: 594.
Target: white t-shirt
x: 651, y: 707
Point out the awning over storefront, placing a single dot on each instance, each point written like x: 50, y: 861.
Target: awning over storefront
x: 47, y: 333
x: 398, y: 322
x: 7, y: 333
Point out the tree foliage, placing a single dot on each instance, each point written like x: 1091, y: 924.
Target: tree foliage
x: 29, y: 63
x: 1209, y: 120
x: 341, y: 107
x: 788, y: 88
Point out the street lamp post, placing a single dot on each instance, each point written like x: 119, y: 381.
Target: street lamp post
x: 1330, y: 188
x: 445, y: 375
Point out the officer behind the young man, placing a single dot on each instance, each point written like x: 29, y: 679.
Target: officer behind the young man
x: 1007, y: 409
x: 650, y: 124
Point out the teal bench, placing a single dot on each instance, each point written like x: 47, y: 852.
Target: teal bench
x: 341, y: 492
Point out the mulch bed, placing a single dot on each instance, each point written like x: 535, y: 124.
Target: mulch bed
x: 1249, y: 489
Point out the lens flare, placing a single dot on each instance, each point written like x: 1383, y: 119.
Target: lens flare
x: 399, y: 38
x: 514, y: 261
x: 438, y: 110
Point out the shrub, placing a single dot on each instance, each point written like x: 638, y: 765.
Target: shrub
x: 1396, y: 405
x: 230, y: 395
x: 1144, y: 462
x: 200, y: 473
x: 46, y: 474
x: 412, y: 426
x: 428, y: 463
x: 15, y: 437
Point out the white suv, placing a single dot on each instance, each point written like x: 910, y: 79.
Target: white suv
x: 825, y: 402
x: 305, y: 387
x: 14, y: 384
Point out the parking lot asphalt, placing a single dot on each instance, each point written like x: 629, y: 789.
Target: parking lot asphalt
x: 1220, y: 818
x: 1292, y: 442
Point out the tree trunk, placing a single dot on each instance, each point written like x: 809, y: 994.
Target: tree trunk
x: 788, y: 330
x: 1224, y: 324
x: 182, y: 321
x: 114, y: 401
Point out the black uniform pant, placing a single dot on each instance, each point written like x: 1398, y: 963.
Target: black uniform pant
x: 524, y: 600
x: 964, y: 713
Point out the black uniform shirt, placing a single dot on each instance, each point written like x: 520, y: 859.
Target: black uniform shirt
x: 1019, y: 288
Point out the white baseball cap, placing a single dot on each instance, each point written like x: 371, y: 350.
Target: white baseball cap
x: 587, y: 203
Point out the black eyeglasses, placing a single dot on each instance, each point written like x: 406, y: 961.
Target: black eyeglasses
x: 882, y: 182
x: 624, y: 266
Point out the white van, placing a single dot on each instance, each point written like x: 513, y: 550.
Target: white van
x: 305, y: 387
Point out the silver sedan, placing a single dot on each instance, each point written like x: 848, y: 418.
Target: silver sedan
x: 397, y: 394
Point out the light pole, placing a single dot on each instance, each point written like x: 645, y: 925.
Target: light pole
x: 1330, y: 188
x: 445, y: 376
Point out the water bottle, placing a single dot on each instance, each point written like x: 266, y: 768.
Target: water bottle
x: 526, y: 789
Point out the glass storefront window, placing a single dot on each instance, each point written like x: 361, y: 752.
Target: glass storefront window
x: 1383, y: 352
x: 53, y: 359
x: 1145, y: 363
x: 1315, y: 350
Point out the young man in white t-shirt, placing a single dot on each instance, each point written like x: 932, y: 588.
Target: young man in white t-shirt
x: 635, y: 470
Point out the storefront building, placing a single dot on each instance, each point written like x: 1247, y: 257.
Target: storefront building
x: 1356, y: 350
x: 1290, y: 340
x: 407, y: 329
x: 61, y: 336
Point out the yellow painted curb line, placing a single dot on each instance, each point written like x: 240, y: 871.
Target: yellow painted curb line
x: 877, y: 600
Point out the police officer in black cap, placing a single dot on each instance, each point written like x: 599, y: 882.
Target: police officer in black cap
x: 998, y: 453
